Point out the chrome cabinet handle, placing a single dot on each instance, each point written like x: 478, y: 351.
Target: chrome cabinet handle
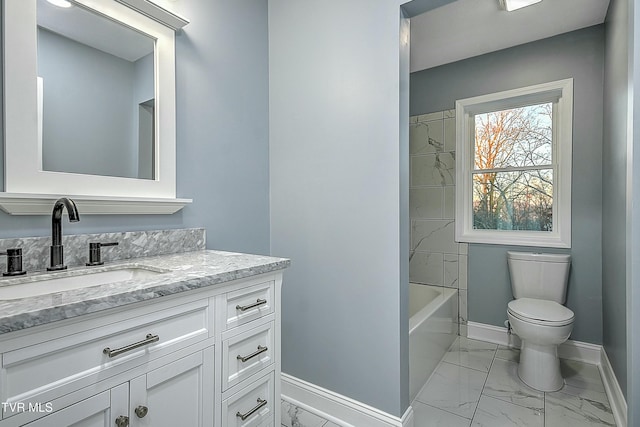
x: 260, y: 404
x: 260, y: 349
x: 113, y: 353
x: 258, y: 303
x: 122, y: 421
x: 141, y: 411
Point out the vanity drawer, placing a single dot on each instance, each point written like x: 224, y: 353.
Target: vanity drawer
x: 255, y: 403
x: 246, y: 353
x: 61, y: 365
x: 248, y: 304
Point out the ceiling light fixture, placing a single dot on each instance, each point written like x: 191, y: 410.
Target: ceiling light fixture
x: 510, y: 5
x: 60, y: 3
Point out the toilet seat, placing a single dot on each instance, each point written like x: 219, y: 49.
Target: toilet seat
x: 540, y: 312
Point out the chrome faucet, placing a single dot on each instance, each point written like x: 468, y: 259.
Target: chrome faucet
x: 57, y: 258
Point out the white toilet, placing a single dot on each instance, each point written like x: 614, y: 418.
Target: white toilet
x: 537, y: 316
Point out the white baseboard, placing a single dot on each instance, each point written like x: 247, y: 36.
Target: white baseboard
x: 611, y: 386
x: 572, y: 350
x: 337, y: 408
x: 490, y: 333
x: 347, y: 412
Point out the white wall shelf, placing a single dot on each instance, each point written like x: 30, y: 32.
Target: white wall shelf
x: 42, y: 204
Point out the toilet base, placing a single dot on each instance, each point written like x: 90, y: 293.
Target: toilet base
x: 539, y: 366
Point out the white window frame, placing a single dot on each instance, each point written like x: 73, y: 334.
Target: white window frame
x: 561, y: 94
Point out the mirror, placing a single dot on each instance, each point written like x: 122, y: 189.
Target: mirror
x: 101, y: 122
x: 96, y: 92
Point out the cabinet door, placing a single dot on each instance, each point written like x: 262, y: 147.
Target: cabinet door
x: 100, y: 410
x: 177, y: 394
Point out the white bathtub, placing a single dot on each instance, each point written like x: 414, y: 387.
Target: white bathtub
x: 433, y: 313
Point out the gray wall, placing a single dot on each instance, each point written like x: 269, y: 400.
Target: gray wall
x: 614, y: 197
x: 339, y: 194
x: 578, y: 54
x: 222, y: 133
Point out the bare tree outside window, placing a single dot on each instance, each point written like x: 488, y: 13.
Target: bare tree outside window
x: 513, y: 170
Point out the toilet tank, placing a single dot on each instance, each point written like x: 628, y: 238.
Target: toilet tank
x: 537, y: 275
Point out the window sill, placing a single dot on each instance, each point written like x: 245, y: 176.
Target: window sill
x: 514, y: 238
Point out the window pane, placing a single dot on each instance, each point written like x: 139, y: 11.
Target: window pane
x: 520, y: 200
x: 515, y: 137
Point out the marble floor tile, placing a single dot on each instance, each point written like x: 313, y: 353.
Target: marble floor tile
x: 508, y: 353
x: 586, y: 393
x: 461, y: 393
x: 576, y: 407
x: 428, y: 416
x: 503, y: 383
x: 453, y: 388
x: 471, y: 354
x: 292, y: 416
x: 581, y: 375
x: 493, y: 412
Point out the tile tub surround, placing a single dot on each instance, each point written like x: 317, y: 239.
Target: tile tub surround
x: 435, y: 258
x: 189, y: 270
x: 135, y: 244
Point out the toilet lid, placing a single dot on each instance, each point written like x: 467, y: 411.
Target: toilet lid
x: 541, y: 311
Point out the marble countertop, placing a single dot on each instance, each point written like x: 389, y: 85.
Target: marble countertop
x: 187, y: 271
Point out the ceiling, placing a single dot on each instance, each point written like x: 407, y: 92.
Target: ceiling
x: 466, y: 28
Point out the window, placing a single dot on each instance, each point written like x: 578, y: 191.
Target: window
x: 514, y: 166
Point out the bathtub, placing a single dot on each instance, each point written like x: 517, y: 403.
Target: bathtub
x: 433, y: 326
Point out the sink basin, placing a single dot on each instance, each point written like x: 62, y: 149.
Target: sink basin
x: 32, y: 286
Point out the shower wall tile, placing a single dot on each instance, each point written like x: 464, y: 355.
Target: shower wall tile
x: 463, y: 248
x: 435, y: 258
x: 450, y: 134
x: 433, y: 236
x: 427, y: 268
x: 426, y: 138
x: 426, y: 202
x: 449, y: 202
x: 431, y: 116
x: 433, y: 169
x: 462, y: 271
x: 462, y: 306
x: 451, y: 270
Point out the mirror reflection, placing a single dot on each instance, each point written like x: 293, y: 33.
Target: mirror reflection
x: 96, y: 94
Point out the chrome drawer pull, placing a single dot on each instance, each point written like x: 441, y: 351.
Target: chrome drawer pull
x: 258, y: 303
x: 260, y: 404
x: 260, y: 349
x: 113, y: 353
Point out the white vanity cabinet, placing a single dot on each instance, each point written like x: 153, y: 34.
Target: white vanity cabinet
x: 92, y: 412
x: 177, y: 394
x: 206, y: 357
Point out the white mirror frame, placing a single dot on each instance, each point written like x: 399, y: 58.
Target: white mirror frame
x: 30, y: 190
